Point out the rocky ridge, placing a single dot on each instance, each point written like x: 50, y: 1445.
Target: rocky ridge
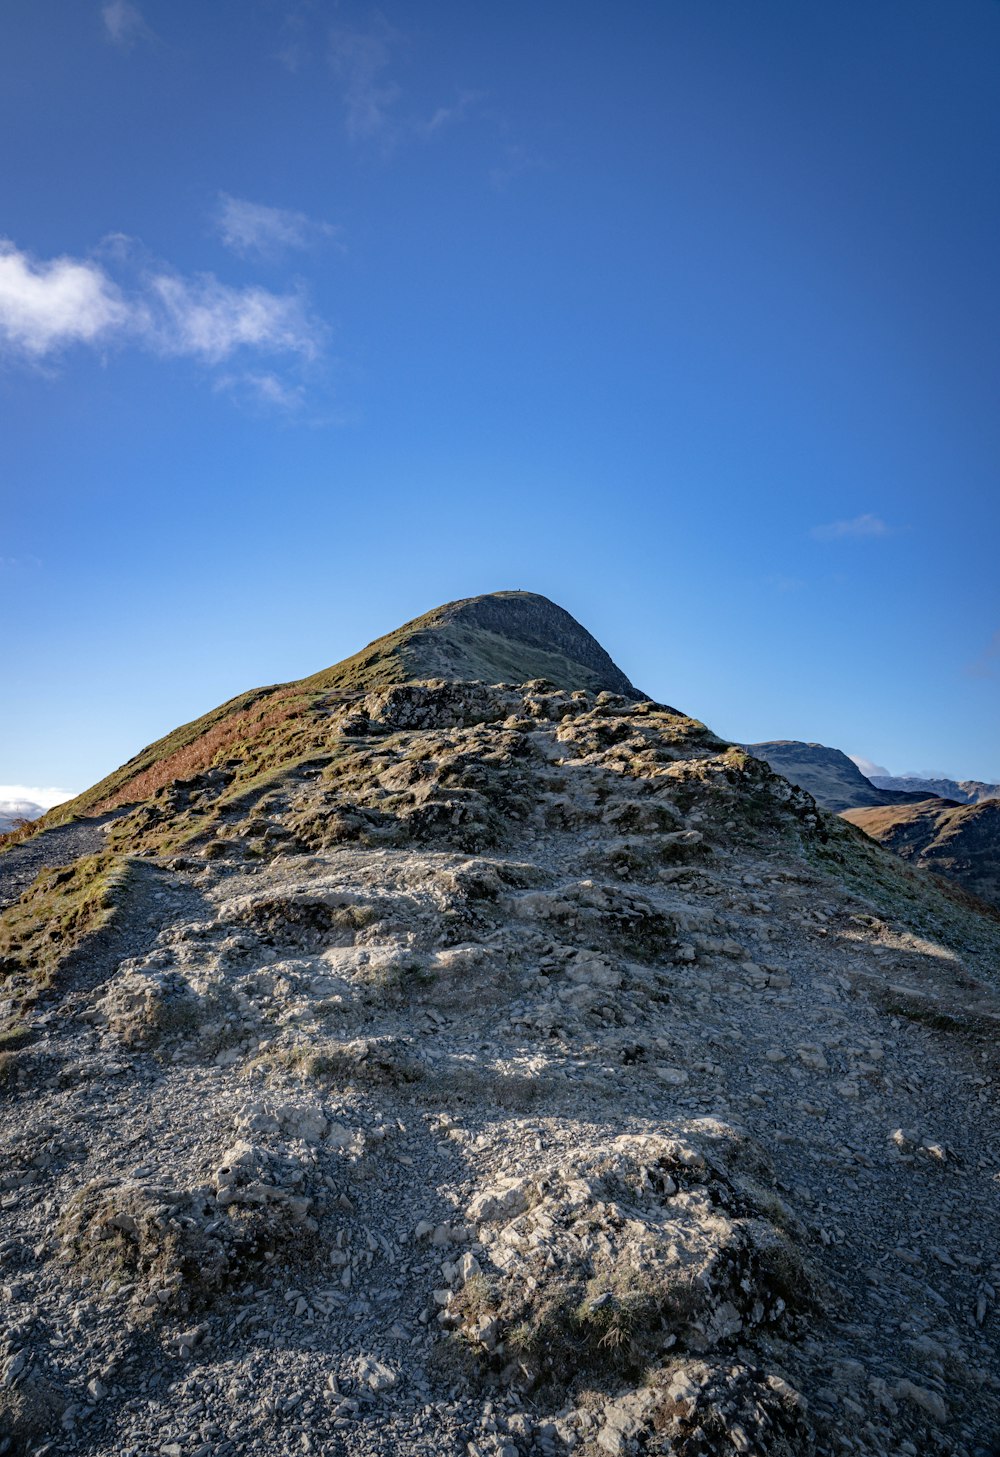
x: 505, y: 1069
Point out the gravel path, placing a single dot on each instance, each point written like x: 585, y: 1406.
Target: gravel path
x: 59, y: 846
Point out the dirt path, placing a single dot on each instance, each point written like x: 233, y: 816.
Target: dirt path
x: 59, y: 846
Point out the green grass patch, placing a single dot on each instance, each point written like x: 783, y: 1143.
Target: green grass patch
x: 59, y: 910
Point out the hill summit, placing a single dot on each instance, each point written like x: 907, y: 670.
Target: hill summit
x: 500, y: 637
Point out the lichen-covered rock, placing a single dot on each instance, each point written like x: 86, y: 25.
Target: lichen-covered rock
x: 707, y: 1409
x: 609, y: 1260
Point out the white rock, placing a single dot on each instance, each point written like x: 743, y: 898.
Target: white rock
x: 376, y: 1375
x: 503, y: 1200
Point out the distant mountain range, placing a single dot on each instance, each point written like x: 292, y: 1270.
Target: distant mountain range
x: 832, y: 779
x: 949, y: 826
x: 964, y: 791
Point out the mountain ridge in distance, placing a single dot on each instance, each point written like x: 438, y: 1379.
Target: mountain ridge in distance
x: 960, y: 841
x: 829, y: 775
x: 962, y: 791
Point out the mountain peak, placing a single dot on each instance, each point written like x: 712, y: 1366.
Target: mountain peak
x: 497, y: 637
x: 500, y: 637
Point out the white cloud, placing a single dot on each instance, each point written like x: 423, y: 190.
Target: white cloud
x: 124, y: 23
x: 29, y: 794
x: 360, y: 60
x: 253, y: 228
x: 860, y: 527
x: 868, y: 768
x: 46, y: 306
x: 265, y: 389
x: 210, y: 320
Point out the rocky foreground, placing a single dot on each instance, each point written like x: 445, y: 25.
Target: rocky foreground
x: 524, y: 1071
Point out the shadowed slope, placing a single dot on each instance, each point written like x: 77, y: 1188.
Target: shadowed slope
x: 960, y: 841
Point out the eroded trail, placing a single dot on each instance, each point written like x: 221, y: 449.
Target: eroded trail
x: 59, y: 846
x: 535, y: 1075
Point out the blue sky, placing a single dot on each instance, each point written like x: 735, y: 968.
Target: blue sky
x: 685, y: 314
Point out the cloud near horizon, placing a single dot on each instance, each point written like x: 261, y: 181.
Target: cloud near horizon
x: 868, y: 768
x: 45, y: 798
x: 48, y: 307
x: 865, y: 527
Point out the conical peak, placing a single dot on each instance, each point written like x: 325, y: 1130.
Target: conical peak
x: 507, y: 637
x: 502, y: 637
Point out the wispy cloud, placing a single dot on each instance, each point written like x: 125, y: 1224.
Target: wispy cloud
x: 29, y: 563
x: 253, y: 229
x: 515, y: 161
x: 295, y: 45
x: 864, y: 527
x: 446, y: 116
x: 48, y: 307
x: 360, y: 61
x: 210, y: 320
x: 780, y: 583
x: 124, y: 23
x: 987, y: 665
x: 264, y: 390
